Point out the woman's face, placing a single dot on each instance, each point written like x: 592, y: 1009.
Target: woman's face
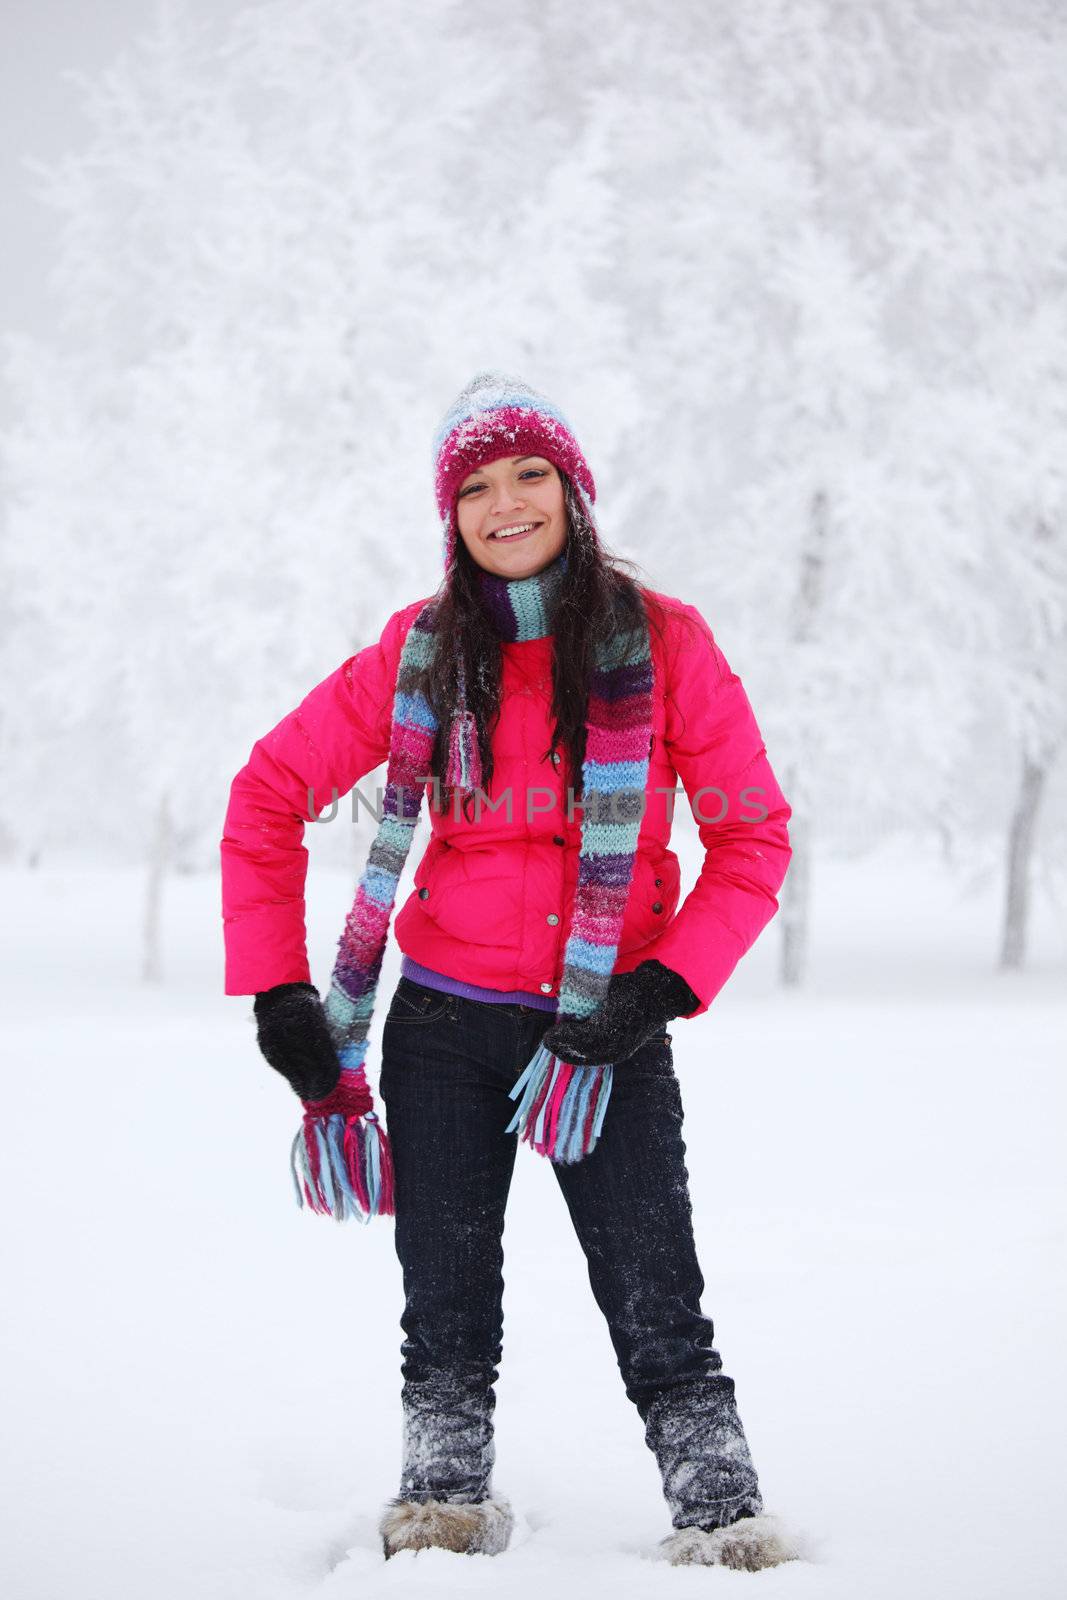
x: 511, y: 493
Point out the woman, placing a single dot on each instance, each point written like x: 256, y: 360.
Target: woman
x: 547, y: 704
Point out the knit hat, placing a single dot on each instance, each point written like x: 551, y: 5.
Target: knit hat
x: 340, y: 1160
x: 494, y: 416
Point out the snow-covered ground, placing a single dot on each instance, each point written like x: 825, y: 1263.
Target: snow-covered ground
x: 203, y: 1382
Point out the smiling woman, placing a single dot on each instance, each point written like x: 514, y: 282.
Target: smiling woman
x: 512, y: 516
x: 544, y: 959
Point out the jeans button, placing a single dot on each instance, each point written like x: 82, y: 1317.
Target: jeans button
x: 552, y: 918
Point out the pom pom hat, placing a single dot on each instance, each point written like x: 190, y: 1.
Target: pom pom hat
x: 496, y: 416
x: 340, y: 1160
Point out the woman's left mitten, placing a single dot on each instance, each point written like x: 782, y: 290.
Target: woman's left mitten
x: 637, y: 1007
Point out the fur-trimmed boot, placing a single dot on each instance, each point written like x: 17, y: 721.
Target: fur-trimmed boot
x: 483, y: 1528
x: 747, y: 1545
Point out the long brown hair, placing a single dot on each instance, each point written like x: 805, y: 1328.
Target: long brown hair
x: 598, y: 601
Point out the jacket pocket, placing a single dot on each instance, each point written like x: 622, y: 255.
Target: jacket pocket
x: 471, y: 895
x: 653, y: 900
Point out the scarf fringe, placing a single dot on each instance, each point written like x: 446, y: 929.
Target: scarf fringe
x: 343, y: 1167
x: 464, y: 769
x: 562, y: 1106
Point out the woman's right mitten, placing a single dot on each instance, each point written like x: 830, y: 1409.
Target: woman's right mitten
x: 293, y: 1035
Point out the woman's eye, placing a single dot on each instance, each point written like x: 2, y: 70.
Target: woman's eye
x: 528, y: 472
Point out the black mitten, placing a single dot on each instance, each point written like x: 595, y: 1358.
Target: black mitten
x: 637, y: 1007
x: 293, y: 1035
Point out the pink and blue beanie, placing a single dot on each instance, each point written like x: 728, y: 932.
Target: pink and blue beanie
x: 497, y: 415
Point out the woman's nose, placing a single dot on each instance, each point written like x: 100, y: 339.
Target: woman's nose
x: 504, y: 498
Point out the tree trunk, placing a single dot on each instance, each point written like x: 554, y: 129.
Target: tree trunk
x: 796, y: 905
x: 1020, y: 851
x: 159, y: 861
x: 807, y: 611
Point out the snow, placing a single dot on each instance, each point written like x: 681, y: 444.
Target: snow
x: 203, y: 1382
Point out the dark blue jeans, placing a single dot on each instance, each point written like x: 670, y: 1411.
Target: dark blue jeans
x: 447, y: 1066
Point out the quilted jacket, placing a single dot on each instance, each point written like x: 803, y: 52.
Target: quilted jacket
x: 492, y: 894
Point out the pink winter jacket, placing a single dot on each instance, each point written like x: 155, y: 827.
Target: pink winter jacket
x: 492, y: 895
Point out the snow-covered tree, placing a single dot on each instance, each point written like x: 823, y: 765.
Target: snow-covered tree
x: 793, y: 272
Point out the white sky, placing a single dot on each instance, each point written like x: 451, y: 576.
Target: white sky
x: 40, y: 117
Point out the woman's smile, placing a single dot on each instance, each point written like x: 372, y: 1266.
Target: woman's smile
x: 515, y: 530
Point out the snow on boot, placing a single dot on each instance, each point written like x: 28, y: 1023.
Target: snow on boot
x: 480, y: 1529
x: 747, y: 1545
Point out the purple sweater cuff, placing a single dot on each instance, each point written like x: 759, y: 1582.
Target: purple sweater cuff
x: 474, y: 991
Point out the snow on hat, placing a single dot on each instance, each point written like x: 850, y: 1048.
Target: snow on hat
x: 498, y: 415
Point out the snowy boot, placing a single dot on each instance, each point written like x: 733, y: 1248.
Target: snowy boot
x: 747, y: 1545
x: 695, y: 1433
x: 446, y: 1499
x: 480, y: 1529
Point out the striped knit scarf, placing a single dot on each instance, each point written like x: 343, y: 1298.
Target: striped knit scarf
x: 341, y: 1162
